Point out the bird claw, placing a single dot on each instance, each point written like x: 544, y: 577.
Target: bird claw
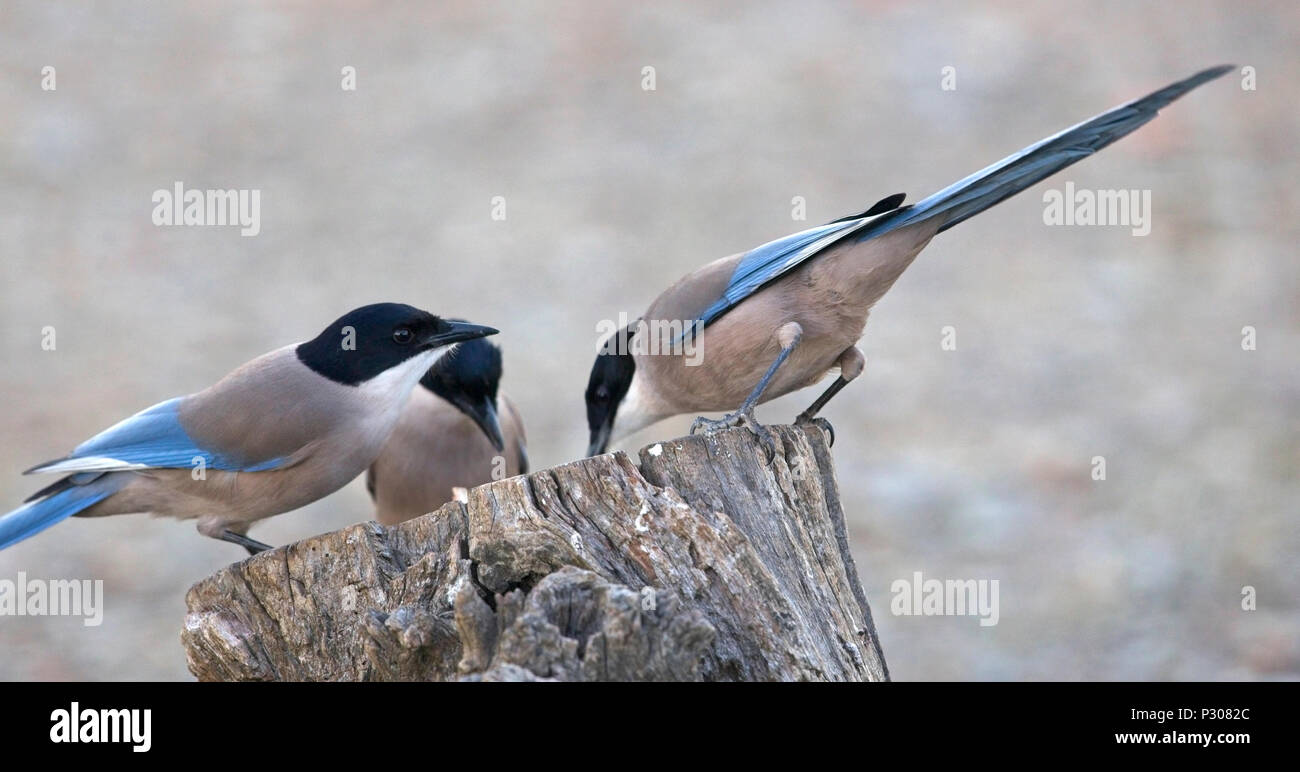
x: 743, y: 418
x: 820, y: 423
x: 711, y: 426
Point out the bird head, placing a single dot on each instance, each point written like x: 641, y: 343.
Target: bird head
x: 611, y: 378
x: 468, y: 378
x: 384, y: 338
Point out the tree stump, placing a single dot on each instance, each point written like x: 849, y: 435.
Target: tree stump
x: 703, y: 563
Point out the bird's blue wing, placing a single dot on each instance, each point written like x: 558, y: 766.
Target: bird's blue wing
x: 150, y: 439
x: 774, y: 259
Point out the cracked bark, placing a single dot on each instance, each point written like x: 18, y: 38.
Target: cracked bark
x: 701, y: 563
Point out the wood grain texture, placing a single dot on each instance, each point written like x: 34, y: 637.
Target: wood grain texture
x: 703, y: 562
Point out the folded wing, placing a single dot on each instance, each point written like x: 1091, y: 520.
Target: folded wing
x: 151, y: 439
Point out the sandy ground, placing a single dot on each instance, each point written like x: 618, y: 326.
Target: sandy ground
x: 1072, y: 342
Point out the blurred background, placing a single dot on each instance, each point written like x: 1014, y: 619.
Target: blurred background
x: 1072, y: 342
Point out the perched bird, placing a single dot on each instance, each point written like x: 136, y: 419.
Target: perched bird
x: 280, y: 432
x: 752, y: 327
x: 451, y: 434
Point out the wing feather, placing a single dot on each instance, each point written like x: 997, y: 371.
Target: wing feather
x: 151, y: 439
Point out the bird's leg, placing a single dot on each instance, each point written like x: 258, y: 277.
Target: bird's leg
x: 788, y: 336
x: 252, y: 545
x: 851, y: 363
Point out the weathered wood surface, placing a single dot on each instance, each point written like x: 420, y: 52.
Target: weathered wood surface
x: 705, y: 563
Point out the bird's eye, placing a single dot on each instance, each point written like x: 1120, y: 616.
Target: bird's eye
x: 602, y: 393
x: 402, y: 336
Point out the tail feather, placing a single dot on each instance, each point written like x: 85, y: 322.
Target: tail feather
x: 968, y: 197
x: 34, y: 517
x: 64, y: 483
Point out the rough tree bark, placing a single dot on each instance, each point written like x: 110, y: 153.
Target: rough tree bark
x: 705, y: 563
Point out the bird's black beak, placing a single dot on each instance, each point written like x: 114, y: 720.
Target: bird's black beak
x: 455, y: 332
x: 600, y: 438
x: 484, y: 413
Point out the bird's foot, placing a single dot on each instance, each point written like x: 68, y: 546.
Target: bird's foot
x: 803, y: 419
x: 743, y: 418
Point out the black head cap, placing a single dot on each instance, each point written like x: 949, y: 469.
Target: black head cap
x: 468, y: 378
x: 372, y: 339
x: 611, y: 377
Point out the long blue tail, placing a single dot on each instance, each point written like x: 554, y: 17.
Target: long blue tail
x: 986, y: 187
x: 34, y: 517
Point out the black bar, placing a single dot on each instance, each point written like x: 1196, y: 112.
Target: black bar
x: 873, y: 722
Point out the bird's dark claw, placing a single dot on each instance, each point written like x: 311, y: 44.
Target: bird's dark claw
x: 821, y: 423
x: 743, y: 418
x: 765, y: 439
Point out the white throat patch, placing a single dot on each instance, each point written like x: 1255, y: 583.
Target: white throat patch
x: 635, y: 412
x: 395, y: 384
